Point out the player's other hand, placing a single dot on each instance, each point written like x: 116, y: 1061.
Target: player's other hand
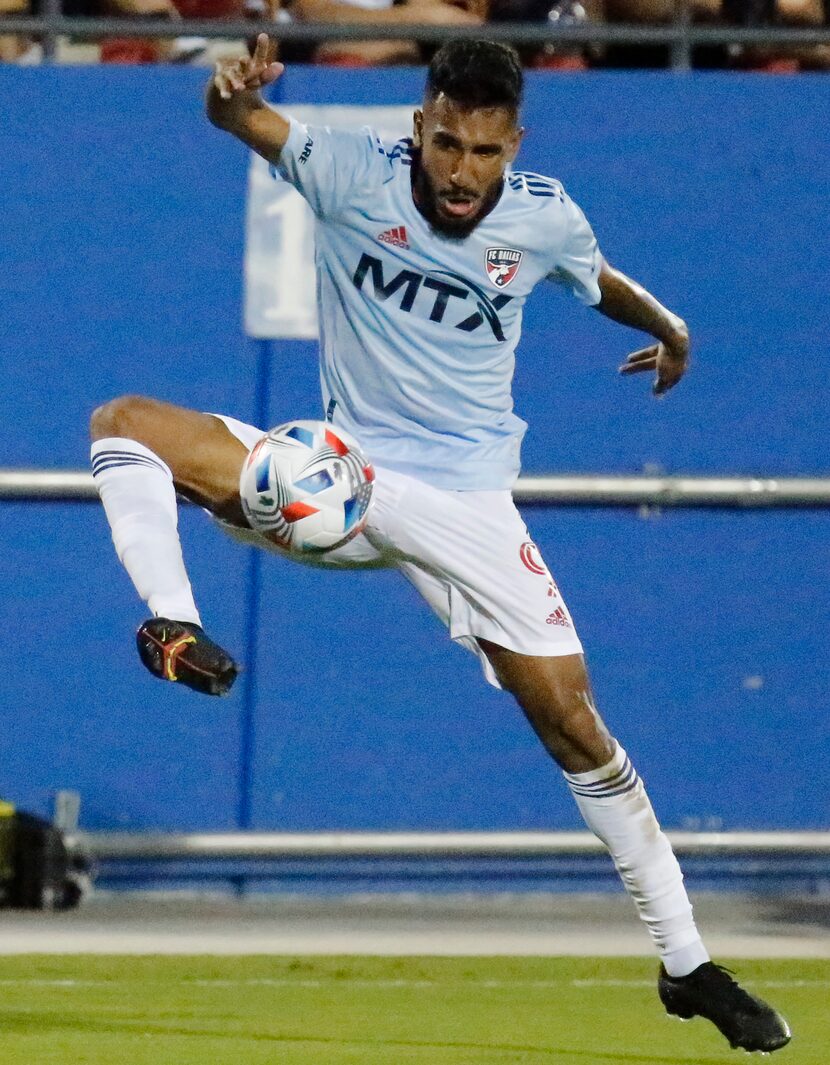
x: 669, y: 359
x: 248, y: 73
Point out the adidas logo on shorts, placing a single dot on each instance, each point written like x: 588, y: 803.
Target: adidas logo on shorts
x: 558, y: 617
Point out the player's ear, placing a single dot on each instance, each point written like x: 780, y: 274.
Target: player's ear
x: 417, y: 128
x: 516, y: 142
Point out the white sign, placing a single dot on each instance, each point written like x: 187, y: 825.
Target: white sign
x: 280, y: 292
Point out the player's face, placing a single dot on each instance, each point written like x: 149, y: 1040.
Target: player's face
x: 463, y: 156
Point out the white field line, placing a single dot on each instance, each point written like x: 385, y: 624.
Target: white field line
x: 339, y: 981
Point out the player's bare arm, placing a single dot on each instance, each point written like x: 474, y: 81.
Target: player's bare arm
x: 233, y: 101
x: 624, y: 301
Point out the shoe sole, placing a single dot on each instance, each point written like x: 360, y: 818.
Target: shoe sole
x: 766, y: 1049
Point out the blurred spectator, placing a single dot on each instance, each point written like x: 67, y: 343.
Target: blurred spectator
x: 140, y: 49
x: 549, y: 13
x: 657, y: 12
x: 771, y: 12
x: 13, y: 48
x: 383, y: 13
x: 778, y: 59
x: 736, y: 12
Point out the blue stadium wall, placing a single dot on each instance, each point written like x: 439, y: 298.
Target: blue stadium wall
x: 707, y: 632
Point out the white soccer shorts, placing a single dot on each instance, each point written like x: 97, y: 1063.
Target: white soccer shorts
x: 469, y: 554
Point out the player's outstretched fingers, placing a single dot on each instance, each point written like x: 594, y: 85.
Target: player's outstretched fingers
x: 263, y: 67
x: 640, y: 361
x: 229, y: 78
x: 672, y: 363
x: 245, y: 75
x: 221, y: 81
x: 669, y: 372
x: 262, y: 50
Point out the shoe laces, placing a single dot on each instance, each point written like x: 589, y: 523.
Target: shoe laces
x: 726, y: 983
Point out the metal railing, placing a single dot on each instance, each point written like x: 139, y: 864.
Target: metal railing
x: 681, y: 36
x: 588, y: 490
x: 144, y: 846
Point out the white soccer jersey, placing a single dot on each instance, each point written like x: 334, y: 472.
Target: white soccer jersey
x: 418, y: 331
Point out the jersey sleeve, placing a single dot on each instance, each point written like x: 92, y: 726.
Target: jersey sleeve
x: 578, y: 260
x: 326, y: 166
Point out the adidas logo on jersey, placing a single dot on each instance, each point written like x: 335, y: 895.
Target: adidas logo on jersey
x: 558, y: 617
x: 396, y: 235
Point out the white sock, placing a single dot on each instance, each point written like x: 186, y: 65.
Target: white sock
x: 137, y: 491
x: 616, y: 808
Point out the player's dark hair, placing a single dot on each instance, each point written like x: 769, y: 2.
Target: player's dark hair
x: 476, y: 74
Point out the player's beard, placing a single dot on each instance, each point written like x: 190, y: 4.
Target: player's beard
x: 426, y: 200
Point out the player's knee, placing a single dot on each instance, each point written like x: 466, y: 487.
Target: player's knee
x: 123, y: 416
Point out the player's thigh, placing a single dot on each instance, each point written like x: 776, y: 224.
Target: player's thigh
x: 205, y: 456
x: 477, y: 545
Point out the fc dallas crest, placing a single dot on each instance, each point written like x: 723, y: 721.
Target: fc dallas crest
x: 502, y: 265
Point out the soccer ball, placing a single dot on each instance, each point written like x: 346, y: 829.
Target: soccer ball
x: 306, y: 486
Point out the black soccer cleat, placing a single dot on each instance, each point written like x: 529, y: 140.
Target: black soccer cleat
x: 180, y: 651
x: 710, y: 992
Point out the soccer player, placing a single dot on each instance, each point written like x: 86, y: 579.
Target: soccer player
x: 426, y: 253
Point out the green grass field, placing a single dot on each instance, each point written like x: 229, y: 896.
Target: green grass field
x: 114, y: 1010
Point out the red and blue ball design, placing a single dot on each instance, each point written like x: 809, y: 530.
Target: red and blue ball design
x: 306, y: 486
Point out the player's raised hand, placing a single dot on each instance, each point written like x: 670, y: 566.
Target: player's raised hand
x: 669, y: 360
x: 248, y: 73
